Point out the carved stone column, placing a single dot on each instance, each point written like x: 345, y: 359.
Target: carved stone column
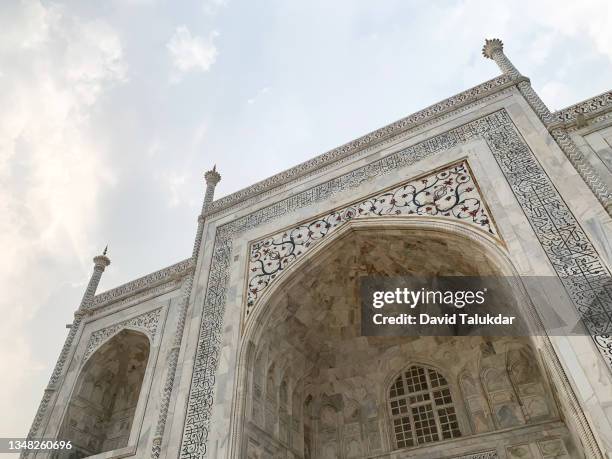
x: 212, y: 178
x: 494, y: 49
x: 100, y: 264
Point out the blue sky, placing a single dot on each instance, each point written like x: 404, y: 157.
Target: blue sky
x: 110, y: 112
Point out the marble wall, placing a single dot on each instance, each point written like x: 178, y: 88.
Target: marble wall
x: 595, y: 141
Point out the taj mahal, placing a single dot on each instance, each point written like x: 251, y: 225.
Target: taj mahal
x: 251, y: 346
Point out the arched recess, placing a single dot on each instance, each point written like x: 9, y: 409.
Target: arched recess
x: 101, y: 410
x: 299, y: 316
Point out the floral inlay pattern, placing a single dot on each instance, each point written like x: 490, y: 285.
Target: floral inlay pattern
x: 450, y: 193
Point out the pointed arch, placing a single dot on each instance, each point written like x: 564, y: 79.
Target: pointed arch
x: 101, y: 410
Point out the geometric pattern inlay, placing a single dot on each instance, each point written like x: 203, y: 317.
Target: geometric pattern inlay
x: 449, y: 193
x: 566, y: 245
x: 588, y: 107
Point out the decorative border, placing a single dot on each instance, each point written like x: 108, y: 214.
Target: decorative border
x: 448, y: 105
x: 482, y: 455
x: 590, y: 107
x: 450, y: 192
x: 568, y: 248
x: 146, y: 322
x: 140, y: 297
x: 174, y: 271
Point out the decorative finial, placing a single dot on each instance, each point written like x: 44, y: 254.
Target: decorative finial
x: 102, y: 260
x: 212, y: 177
x: 490, y: 46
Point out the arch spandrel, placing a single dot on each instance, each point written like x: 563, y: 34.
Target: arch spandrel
x: 448, y: 193
x: 146, y: 323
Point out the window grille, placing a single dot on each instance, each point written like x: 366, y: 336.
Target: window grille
x: 422, y: 409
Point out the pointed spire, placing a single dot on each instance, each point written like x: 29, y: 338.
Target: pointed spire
x: 105, y: 250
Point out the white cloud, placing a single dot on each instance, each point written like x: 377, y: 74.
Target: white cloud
x: 56, y: 67
x: 191, y: 52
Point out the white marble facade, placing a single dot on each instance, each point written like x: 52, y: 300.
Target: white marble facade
x: 245, y: 350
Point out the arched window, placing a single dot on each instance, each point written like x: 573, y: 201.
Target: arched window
x: 422, y: 409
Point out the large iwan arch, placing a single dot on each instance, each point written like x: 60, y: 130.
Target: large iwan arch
x: 308, y: 324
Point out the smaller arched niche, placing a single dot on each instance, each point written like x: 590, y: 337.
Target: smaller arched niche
x: 101, y: 411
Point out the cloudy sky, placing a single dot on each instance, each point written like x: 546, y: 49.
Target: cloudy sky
x: 111, y: 111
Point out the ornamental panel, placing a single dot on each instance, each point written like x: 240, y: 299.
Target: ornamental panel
x: 450, y: 193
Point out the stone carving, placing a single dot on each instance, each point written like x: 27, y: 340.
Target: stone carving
x: 589, y: 107
x: 212, y: 178
x: 144, y: 295
x: 146, y: 322
x: 576, y: 261
x: 571, y: 253
x: 553, y: 448
x: 434, y: 111
x: 584, y: 168
x: 477, y: 408
x: 163, y: 275
x: 40, y: 413
x: 520, y: 452
x: 449, y: 193
x: 483, y: 455
x: 494, y: 49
